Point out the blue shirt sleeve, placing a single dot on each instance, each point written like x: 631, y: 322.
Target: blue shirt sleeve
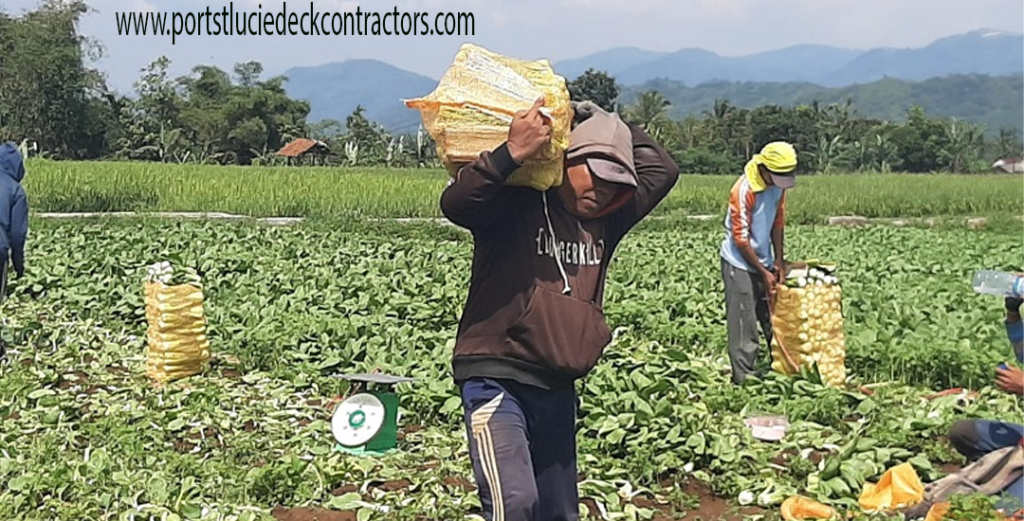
x: 1015, y: 332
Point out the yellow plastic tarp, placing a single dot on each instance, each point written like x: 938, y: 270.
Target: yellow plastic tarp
x: 898, y: 488
x: 799, y: 508
x: 938, y: 511
x: 471, y: 108
x: 176, y: 337
x: 808, y: 322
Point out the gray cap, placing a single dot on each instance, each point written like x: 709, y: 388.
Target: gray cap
x: 606, y: 143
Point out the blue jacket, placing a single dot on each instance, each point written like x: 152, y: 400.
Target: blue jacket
x: 13, y: 208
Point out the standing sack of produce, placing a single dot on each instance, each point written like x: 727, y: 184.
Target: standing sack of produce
x: 471, y: 108
x: 808, y: 322
x: 176, y: 338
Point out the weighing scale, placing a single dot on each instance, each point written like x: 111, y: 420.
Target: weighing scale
x: 366, y: 422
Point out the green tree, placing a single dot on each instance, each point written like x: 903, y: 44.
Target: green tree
x: 649, y: 111
x: 596, y: 86
x: 45, y: 83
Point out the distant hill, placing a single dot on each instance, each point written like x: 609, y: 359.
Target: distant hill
x: 978, y: 52
x: 995, y: 102
x: 613, y: 61
x: 943, y: 77
x: 335, y: 89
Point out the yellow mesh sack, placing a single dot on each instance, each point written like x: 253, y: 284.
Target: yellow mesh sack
x: 176, y: 338
x: 471, y: 108
x: 808, y: 322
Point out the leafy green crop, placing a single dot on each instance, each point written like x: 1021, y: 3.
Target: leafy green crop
x: 84, y: 435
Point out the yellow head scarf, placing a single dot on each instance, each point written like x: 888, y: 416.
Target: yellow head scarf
x: 777, y: 156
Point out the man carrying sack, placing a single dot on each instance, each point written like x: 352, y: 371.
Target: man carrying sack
x: 533, y: 323
x: 754, y: 228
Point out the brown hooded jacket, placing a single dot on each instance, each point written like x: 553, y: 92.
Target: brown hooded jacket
x: 534, y: 313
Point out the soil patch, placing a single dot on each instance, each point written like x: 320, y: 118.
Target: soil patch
x: 950, y: 468
x: 394, y: 485
x: 457, y: 482
x: 345, y: 489
x: 311, y: 514
x: 710, y: 507
x: 785, y: 457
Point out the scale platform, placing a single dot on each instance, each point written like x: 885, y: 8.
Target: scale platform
x: 366, y: 422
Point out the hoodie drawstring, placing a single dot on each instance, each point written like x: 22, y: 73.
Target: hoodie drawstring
x: 554, y: 248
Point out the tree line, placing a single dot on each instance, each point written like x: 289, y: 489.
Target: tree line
x: 50, y: 95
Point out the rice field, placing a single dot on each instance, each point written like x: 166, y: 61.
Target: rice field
x: 378, y: 192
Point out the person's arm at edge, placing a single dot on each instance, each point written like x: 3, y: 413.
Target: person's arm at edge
x: 778, y: 238
x: 19, y: 231
x: 1015, y: 331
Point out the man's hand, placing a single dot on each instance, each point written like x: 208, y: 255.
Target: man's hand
x: 780, y: 270
x: 529, y: 132
x: 769, y: 281
x: 1010, y: 380
x: 582, y: 110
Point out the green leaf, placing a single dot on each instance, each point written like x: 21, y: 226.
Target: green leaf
x: 348, y: 501
x: 39, y: 393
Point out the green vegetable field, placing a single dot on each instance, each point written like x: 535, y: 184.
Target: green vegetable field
x: 85, y: 435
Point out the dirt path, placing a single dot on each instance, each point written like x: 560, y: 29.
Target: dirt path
x: 185, y: 215
x: 973, y: 223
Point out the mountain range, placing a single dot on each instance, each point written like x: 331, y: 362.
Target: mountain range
x: 977, y: 52
x: 815, y: 71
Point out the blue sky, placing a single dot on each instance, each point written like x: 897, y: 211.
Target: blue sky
x: 552, y: 29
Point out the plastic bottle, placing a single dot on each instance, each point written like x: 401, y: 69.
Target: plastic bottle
x: 999, y: 283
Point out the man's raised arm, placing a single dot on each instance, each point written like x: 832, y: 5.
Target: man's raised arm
x: 471, y: 199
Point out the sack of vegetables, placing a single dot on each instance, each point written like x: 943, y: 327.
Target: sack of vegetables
x: 176, y: 338
x: 808, y: 322
x: 471, y: 108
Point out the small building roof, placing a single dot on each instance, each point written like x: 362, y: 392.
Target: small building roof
x: 300, y: 146
x: 1010, y: 164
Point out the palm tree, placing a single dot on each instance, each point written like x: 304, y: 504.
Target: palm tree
x: 718, y: 118
x: 649, y: 110
x: 964, y: 141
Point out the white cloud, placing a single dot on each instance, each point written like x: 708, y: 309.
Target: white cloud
x: 142, y: 6
x: 499, y: 19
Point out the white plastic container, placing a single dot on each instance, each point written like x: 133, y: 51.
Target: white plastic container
x: 767, y: 427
